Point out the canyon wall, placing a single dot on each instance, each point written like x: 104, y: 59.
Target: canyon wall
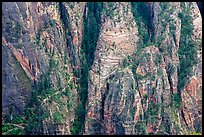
x: 111, y: 68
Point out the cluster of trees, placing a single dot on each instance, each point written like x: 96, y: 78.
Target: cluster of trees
x: 9, y: 127
x: 140, y: 128
x: 187, y: 49
x: 91, y: 30
x: 142, y: 16
x: 177, y: 100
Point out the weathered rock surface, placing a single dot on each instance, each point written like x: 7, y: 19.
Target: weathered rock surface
x: 32, y: 33
x: 132, y: 88
x: 192, y: 94
x: 116, y: 41
x: 157, y: 80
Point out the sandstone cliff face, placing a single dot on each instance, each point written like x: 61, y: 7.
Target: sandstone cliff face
x: 138, y: 82
x: 129, y: 111
x: 35, y: 44
x: 115, y: 43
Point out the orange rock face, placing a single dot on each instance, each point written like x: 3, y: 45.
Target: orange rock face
x: 140, y: 70
x: 192, y: 86
x: 24, y: 62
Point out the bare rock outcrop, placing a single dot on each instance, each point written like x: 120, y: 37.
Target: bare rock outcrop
x: 117, y: 40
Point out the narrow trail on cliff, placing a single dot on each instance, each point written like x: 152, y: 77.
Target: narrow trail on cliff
x: 58, y: 91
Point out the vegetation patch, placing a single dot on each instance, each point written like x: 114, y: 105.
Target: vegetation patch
x: 187, y: 50
x: 89, y: 42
